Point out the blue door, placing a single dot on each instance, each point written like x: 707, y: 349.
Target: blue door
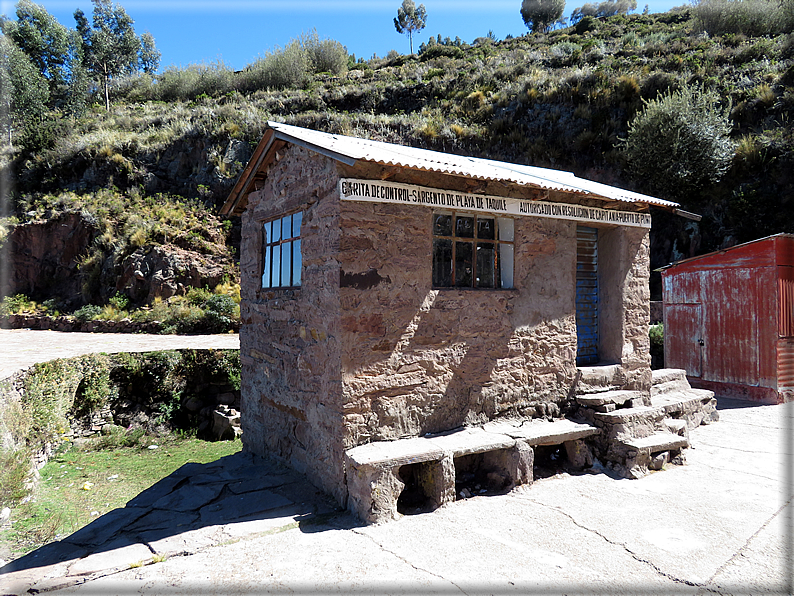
x: 586, y: 295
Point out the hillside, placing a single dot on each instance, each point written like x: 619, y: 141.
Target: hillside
x: 147, y: 177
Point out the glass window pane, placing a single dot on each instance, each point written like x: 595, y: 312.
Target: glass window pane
x: 486, y: 228
x: 276, y: 266
x: 286, y: 227
x: 486, y: 277
x: 506, y: 230
x: 285, y: 262
x: 442, y: 263
x: 267, y: 232
x: 463, y: 264
x: 506, y: 264
x: 296, y: 263
x: 276, y: 236
x: 297, y: 218
x: 442, y: 225
x: 464, y: 227
x: 267, y: 268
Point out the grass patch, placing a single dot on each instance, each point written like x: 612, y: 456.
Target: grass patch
x: 83, y: 483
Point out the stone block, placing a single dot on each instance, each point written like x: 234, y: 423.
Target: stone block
x: 579, y: 454
x: 373, y: 492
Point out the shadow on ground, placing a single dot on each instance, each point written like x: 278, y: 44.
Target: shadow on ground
x: 197, y: 506
x: 729, y: 403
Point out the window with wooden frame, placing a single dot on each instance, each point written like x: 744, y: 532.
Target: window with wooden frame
x: 472, y: 251
x: 281, y: 252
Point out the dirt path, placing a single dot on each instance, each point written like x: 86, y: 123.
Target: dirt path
x: 21, y: 348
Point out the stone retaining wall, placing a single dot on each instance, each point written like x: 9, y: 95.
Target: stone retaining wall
x: 65, y: 323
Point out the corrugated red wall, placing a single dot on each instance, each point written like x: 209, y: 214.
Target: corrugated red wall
x: 727, y: 315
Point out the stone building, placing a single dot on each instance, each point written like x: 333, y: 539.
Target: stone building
x: 412, y: 319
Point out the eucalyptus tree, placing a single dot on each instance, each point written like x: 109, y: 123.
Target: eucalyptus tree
x: 540, y: 15
x: 410, y: 18
x: 110, y: 46
x: 24, y: 92
x: 46, y: 43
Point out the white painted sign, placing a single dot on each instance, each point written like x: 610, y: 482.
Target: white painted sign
x: 377, y: 191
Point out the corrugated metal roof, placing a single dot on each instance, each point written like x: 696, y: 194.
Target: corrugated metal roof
x: 727, y: 250
x: 351, y: 149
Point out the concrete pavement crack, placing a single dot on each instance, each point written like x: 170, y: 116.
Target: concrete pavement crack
x: 406, y: 561
x: 745, y: 472
x: 746, y: 545
x: 633, y: 555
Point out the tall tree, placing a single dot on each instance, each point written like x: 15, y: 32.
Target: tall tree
x: 111, y: 48
x: 44, y: 40
x: 148, y: 56
x: 410, y: 18
x: 540, y: 15
x: 24, y: 92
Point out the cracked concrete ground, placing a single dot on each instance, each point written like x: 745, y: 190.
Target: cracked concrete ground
x: 722, y: 524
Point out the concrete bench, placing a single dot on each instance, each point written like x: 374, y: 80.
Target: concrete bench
x: 380, y: 474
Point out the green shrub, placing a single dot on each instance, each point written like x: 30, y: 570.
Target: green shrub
x: 48, y: 397
x: 219, y: 313
x: 288, y: 67
x: 120, y: 301
x: 16, y: 304
x: 748, y: 17
x: 439, y: 50
x: 94, y: 389
x: 680, y: 142
x: 211, y: 80
x: 89, y: 312
x: 656, y: 333
x: 325, y: 55
x: 14, y: 467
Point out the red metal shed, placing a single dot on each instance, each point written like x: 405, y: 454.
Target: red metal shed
x: 729, y: 319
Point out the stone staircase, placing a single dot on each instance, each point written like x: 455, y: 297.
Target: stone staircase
x: 640, y: 431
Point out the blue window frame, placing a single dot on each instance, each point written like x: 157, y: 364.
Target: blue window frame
x: 281, y: 252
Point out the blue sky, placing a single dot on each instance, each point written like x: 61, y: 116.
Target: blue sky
x: 236, y: 32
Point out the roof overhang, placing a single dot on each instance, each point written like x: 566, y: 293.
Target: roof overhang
x: 351, y: 150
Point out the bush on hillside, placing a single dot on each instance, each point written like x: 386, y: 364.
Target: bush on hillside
x: 679, y: 142
x: 325, y: 55
x: 175, y: 84
x: 748, y: 17
x: 438, y: 50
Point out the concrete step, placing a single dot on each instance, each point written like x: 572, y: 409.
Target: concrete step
x: 627, y: 415
x: 596, y: 379
x: 538, y: 432
x: 629, y: 423
x: 695, y: 406
x: 606, y: 398
x: 657, y: 442
x: 669, y: 380
x: 650, y: 453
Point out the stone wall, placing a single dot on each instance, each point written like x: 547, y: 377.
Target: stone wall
x: 418, y: 360
x: 66, y: 323
x: 289, y: 339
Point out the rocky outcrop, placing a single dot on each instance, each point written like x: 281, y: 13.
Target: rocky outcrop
x: 45, y: 256
x: 164, y: 271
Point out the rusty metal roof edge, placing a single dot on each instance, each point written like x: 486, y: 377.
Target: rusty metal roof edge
x: 351, y: 149
x: 724, y: 250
